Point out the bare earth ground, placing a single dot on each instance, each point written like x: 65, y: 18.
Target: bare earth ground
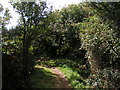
x: 61, y: 80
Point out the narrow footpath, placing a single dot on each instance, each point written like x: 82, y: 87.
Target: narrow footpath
x: 61, y: 80
x: 49, y: 77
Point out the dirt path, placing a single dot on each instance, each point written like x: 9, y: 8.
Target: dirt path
x: 61, y: 80
x: 49, y: 77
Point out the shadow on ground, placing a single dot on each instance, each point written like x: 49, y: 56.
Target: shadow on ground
x: 43, y: 77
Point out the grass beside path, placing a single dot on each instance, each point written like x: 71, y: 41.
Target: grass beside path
x: 71, y: 69
x: 73, y: 77
x: 44, y: 77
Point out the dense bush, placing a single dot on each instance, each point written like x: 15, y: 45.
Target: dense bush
x: 99, y: 35
x: 106, y: 78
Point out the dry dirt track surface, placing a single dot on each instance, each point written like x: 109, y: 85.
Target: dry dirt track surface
x: 61, y: 80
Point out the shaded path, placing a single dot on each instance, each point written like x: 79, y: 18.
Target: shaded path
x: 48, y: 77
x: 61, y: 80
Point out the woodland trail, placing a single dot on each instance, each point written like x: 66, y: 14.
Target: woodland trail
x: 61, y: 80
x: 49, y: 77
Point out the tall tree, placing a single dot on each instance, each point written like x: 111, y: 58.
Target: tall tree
x: 31, y: 16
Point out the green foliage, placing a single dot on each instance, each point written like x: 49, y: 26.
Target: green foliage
x: 100, y: 38
x: 30, y: 27
x: 73, y: 77
x: 100, y: 34
x: 72, y: 14
x: 17, y: 42
x: 95, y: 34
x: 1, y: 8
x: 61, y: 62
x: 62, y: 35
x: 106, y: 78
x: 5, y: 18
x: 68, y: 33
